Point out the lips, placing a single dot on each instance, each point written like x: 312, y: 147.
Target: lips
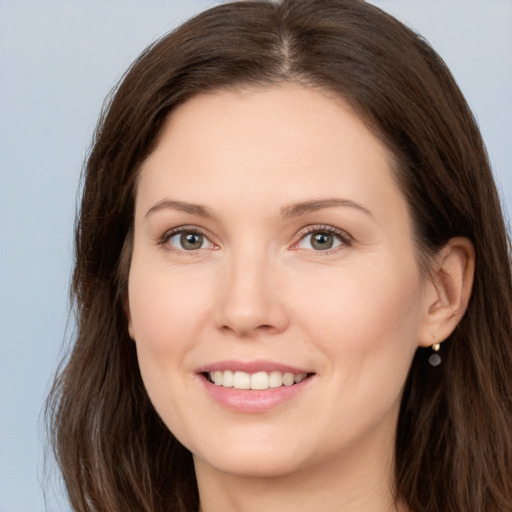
x: 251, y: 367
x: 253, y: 386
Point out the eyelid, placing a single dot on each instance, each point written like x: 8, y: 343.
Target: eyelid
x: 187, y: 228
x: 343, y: 236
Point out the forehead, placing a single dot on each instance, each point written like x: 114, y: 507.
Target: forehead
x: 280, y: 143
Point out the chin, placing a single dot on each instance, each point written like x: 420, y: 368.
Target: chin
x: 265, y: 456
x: 262, y: 465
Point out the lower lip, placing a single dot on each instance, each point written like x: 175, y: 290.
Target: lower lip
x: 249, y: 400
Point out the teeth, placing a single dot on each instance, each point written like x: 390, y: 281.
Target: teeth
x: 288, y: 379
x: 300, y: 377
x: 275, y: 379
x: 228, y: 379
x: 242, y: 380
x: 257, y: 381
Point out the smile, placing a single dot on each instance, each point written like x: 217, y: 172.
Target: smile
x: 254, y: 386
x: 260, y: 380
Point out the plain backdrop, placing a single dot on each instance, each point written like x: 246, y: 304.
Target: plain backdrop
x: 58, y: 60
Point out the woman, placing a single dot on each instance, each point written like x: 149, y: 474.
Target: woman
x: 292, y: 279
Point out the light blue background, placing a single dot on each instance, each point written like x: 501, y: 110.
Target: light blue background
x: 58, y: 60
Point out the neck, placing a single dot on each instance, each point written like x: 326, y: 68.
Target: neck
x: 358, y: 481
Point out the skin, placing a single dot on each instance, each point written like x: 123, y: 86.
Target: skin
x: 258, y: 289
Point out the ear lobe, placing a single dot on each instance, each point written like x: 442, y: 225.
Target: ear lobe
x: 448, y: 290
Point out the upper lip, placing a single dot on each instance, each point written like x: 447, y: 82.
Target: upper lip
x: 251, y: 367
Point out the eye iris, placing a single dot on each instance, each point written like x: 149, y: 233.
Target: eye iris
x: 322, y: 241
x: 191, y: 241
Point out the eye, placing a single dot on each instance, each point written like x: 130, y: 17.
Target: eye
x: 187, y: 240
x: 323, y: 239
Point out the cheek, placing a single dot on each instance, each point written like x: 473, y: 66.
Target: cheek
x: 365, y: 324
x: 164, y: 321
x: 365, y: 313
x: 165, y: 307
x: 163, y: 317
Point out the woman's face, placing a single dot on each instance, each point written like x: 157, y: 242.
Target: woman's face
x: 272, y: 245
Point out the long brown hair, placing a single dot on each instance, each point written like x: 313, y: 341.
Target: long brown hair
x: 454, y: 441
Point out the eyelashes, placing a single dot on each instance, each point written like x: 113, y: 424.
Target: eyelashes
x: 322, y: 239
x: 325, y: 239
x: 186, y: 239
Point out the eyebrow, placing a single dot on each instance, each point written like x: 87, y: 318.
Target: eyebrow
x: 193, y: 209
x: 298, y: 209
x: 294, y: 210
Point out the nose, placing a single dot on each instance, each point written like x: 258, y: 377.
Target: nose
x: 250, y: 299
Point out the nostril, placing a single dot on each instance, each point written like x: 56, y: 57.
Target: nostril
x: 245, y: 330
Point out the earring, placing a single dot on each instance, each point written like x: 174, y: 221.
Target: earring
x: 435, y: 358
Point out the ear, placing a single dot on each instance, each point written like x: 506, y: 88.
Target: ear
x: 448, y: 291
